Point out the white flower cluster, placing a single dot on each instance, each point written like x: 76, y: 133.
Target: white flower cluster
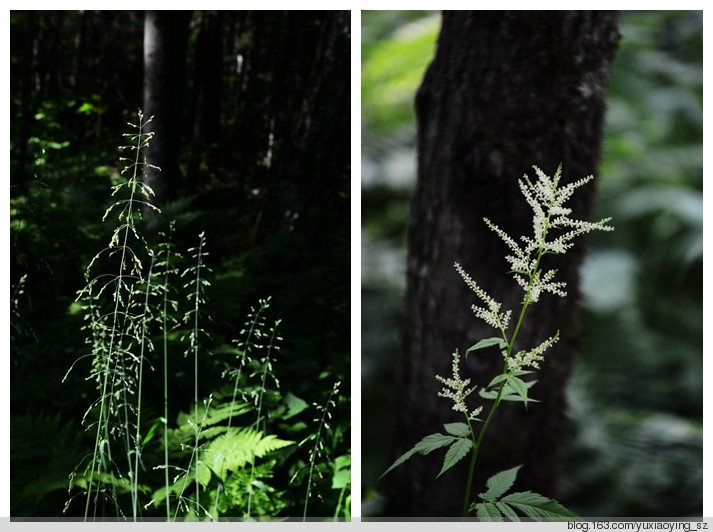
x: 547, y: 202
x: 456, y: 390
x: 533, y: 357
x: 491, y: 312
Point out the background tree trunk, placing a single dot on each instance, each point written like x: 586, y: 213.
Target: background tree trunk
x: 165, y: 41
x: 208, y: 76
x: 505, y: 91
x: 311, y: 169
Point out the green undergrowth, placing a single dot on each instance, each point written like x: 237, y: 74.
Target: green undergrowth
x: 197, y: 405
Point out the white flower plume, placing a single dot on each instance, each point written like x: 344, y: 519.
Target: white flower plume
x: 457, y: 390
x: 547, y: 200
x: 533, y: 357
x: 490, y: 313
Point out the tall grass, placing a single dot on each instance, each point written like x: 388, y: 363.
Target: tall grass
x: 115, y: 331
x: 208, y: 455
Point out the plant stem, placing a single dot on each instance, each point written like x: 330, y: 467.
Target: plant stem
x: 501, y: 388
x: 195, y: 357
x: 137, y: 442
x: 103, y: 414
x: 165, y: 371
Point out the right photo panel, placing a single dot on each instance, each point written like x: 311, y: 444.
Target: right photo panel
x: 532, y: 264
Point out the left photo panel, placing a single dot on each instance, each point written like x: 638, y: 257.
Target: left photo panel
x: 180, y: 263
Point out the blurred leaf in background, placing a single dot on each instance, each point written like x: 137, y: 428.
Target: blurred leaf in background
x: 636, y: 396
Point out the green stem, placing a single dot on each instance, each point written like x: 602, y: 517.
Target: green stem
x: 501, y: 388
x: 165, y: 373
x: 476, y: 443
x: 195, y: 358
x: 103, y: 415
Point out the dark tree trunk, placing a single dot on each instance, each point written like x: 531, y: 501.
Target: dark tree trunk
x: 165, y: 41
x: 208, y: 76
x: 505, y: 91
x: 19, y: 174
x: 316, y: 149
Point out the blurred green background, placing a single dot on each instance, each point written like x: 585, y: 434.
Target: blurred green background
x: 636, y: 398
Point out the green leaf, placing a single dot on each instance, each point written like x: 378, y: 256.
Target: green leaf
x: 432, y: 442
x: 506, y: 376
x: 239, y: 447
x: 485, y: 394
x: 455, y: 454
x: 342, y: 472
x: 509, y: 394
x: 497, y: 380
x: 507, y: 511
x: 457, y: 429
x: 487, y: 511
x: 159, y: 422
x: 426, y: 445
x: 519, y: 387
x: 341, y: 479
x: 538, y: 507
x: 499, y: 483
x: 487, y: 343
x: 295, y: 405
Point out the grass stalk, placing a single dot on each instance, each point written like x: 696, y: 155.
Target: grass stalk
x: 318, y: 445
x: 267, y: 368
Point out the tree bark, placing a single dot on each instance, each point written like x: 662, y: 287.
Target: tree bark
x: 315, y: 154
x: 207, y: 81
x: 505, y: 91
x: 165, y: 41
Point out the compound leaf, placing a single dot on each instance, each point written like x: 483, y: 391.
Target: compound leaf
x: 455, y: 453
x: 499, y: 483
x: 538, y: 507
x: 487, y: 511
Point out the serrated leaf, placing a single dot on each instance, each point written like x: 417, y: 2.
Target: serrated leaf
x: 508, y: 395
x: 503, y: 376
x: 538, y: 507
x: 487, y: 343
x: 457, y: 429
x: 432, y: 442
x: 521, y: 372
x: 455, y: 454
x: 519, y: 387
x: 499, y: 483
x: 426, y: 445
x: 487, y: 511
x: 517, y: 399
x: 507, y: 511
x: 497, y: 380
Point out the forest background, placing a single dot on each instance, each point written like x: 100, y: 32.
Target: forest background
x: 635, y: 444
x: 633, y: 449
x: 260, y: 114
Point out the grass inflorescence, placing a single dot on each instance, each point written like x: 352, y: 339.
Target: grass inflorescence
x: 221, y: 458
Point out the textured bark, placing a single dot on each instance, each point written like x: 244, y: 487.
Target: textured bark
x: 165, y: 41
x: 505, y: 91
x: 207, y: 80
